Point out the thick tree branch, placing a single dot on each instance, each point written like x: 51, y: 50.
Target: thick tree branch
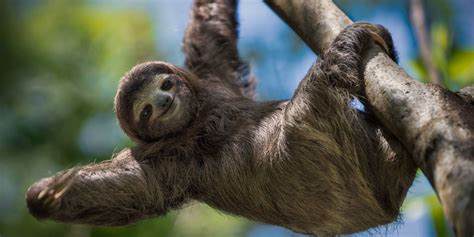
x: 316, y: 22
x: 467, y: 93
x: 435, y: 125
x: 417, y: 15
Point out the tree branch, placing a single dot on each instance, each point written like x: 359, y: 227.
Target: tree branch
x: 417, y: 15
x: 467, y: 93
x: 435, y: 125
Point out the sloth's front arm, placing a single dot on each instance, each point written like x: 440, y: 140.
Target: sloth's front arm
x: 119, y: 191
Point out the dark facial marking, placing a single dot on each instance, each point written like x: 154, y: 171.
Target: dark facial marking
x: 146, y: 112
x: 167, y: 84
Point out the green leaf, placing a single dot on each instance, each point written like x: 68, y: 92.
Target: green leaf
x: 461, y: 67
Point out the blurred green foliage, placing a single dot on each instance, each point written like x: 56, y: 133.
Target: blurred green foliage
x: 60, y: 65
x: 456, y: 65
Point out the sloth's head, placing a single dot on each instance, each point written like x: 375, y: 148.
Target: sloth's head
x: 155, y: 99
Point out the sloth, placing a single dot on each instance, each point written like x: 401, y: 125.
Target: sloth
x: 311, y: 164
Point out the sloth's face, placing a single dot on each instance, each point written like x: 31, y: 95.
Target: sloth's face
x: 162, y: 106
x: 161, y: 102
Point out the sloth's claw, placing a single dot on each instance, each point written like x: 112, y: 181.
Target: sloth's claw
x: 374, y: 33
x: 44, y: 197
x: 380, y: 41
x: 43, y: 193
x: 65, y: 178
x: 66, y: 185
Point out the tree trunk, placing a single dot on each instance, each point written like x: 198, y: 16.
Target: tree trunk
x: 435, y: 125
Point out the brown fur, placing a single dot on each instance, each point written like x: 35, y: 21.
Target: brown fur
x: 311, y: 164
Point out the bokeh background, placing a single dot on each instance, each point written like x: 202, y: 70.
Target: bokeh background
x: 60, y: 62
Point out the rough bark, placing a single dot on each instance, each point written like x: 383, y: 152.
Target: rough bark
x: 435, y: 125
x: 467, y: 93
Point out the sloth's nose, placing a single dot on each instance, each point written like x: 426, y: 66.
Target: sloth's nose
x: 163, y: 100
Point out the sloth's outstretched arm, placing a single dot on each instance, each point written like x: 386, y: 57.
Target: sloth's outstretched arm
x: 210, y: 46
x: 114, y: 192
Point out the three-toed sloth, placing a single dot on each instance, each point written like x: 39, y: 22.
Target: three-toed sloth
x: 312, y: 164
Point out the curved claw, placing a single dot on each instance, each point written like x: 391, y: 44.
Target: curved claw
x: 374, y: 32
x: 44, y: 197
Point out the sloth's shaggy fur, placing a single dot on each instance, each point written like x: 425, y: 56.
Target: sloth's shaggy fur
x: 311, y: 164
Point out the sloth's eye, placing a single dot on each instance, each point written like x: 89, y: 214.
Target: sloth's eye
x: 147, y: 111
x: 167, y: 84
